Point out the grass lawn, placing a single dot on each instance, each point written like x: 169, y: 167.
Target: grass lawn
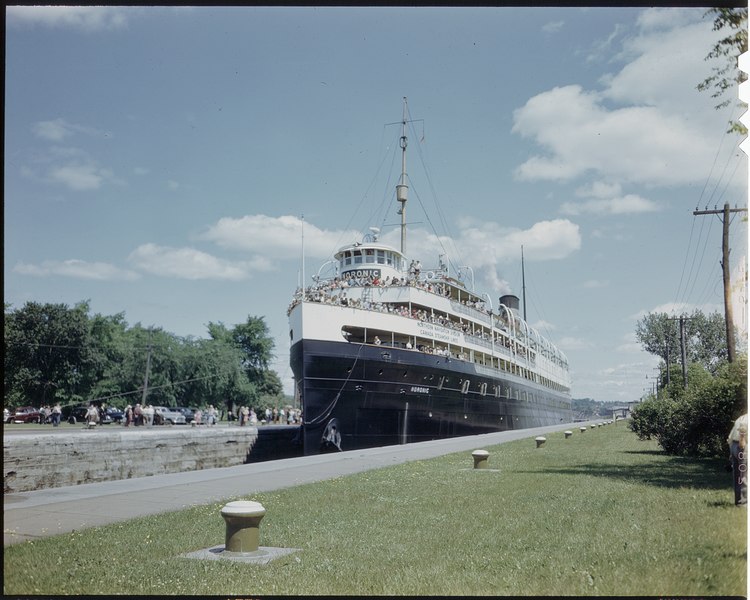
x: 601, y: 513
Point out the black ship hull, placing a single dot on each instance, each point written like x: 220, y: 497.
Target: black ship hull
x: 360, y: 396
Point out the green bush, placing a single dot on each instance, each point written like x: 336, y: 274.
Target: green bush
x: 695, y: 421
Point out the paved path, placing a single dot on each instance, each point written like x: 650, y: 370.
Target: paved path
x: 43, y: 513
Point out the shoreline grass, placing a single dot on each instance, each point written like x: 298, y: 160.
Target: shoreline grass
x: 601, y: 513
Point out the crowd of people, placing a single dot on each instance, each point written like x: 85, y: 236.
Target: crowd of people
x: 50, y: 415
x: 270, y: 416
x: 326, y: 293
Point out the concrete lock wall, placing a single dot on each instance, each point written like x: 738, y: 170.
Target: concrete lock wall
x: 56, y: 460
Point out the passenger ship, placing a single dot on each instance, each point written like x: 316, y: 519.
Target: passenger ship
x: 386, y: 352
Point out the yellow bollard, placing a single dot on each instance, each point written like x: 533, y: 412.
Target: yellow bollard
x: 243, y: 525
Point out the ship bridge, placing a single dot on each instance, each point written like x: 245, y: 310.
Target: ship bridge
x: 370, y: 261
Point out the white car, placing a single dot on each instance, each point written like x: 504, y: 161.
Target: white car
x: 168, y: 416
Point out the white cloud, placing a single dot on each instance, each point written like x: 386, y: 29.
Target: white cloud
x: 630, y: 344
x: 629, y: 204
x: 55, y: 130
x: 667, y: 62
x: 636, y: 144
x: 80, y: 177
x: 277, y: 237
x: 58, y: 129
x: 573, y: 343
x: 189, y: 263
x: 553, y: 26
x: 647, y: 125
x: 84, y: 18
x: 542, y: 325
x: 665, y: 18
x: 79, y: 269
x: 487, y: 243
x: 599, y: 189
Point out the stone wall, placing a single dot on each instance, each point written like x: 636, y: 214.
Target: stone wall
x: 87, y: 456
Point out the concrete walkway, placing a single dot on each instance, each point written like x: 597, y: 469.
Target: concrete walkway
x: 43, y: 513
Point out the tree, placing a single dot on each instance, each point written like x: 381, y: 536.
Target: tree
x: 107, y: 335
x: 705, y: 338
x: 46, y: 353
x: 56, y: 353
x: 255, y: 346
x: 214, y: 375
x: 729, y: 48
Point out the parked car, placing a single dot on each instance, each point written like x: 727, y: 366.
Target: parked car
x: 168, y: 416
x: 115, y: 414
x: 188, y: 412
x: 77, y: 414
x: 7, y: 416
x: 27, y: 414
x: 74, y: 414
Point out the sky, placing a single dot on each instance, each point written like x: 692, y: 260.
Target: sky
x: 169, y: 162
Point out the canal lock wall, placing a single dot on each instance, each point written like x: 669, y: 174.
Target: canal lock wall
x: 86, y: 456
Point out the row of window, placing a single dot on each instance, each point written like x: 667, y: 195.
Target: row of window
x: 371, y: 256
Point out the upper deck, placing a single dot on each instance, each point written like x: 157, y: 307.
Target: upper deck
x: 377, y: 298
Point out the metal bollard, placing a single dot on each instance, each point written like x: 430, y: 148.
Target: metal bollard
x: 540, y: 441
x: 568, y: 434
x: 481, y: 459
x: 243, y: 525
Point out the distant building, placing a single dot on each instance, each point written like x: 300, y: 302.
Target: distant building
x: 623, y: 412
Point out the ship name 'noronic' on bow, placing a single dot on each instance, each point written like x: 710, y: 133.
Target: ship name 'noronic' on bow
x: 386, y: 352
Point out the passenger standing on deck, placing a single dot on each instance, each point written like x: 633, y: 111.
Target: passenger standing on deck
x: 138, y: 414
x: 128, y: 415
x: 245, y: 414
x: 148, y: 413
x: 738, y: 455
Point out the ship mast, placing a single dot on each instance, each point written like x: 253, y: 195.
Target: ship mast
x: 523, y: 285
x: 402, y: 188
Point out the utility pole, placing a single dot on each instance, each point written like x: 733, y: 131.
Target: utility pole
x: 683, y: 349
x: 725, y: 212
x: 148, y: 367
